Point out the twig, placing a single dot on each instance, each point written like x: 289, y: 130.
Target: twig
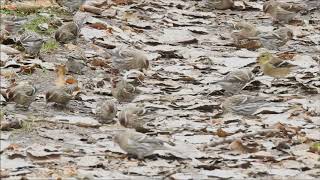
x: 233, y: 138
x: 65, y: 122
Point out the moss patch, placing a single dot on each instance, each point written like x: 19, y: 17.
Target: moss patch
x: 12, y: 12
x: 49, y: 46
x: 34, y: 23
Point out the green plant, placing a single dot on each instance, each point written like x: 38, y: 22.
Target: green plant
x: 34, y: 23
x: 49, y: 46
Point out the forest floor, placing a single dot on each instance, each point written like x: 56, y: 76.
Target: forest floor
x: 190, y: 48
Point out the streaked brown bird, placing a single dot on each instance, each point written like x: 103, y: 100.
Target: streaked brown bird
x: 138, y: 144
x: 245, y: 105
x: 75, y: 65
x: 221, y: 4
x: 277, y: 38
x: 293, y: 7
x: 31, y: 42
x: 106, y: 111
x: 69, y: 32
x: 125, y: 58
x: 71, y: 5
x: 278, y: 13
x: 123, y: 91
x: 61, y: 95
x: 244, y: 30
x: 236, y: 80
x: 132, y: 117
x: 23, y: 94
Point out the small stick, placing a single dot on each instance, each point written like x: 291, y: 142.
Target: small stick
x: 233, y: 138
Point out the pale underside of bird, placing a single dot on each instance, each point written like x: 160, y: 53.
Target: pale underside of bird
x: 23, y: 94
x: 235, y: 81
x: 132, y: 117
x: 31, y: 42
x: 61, y: 95
x: 123, y: 91
x: 125, y: 58
x: 106, y: 111
x: 245, y: 105
x: 139, y: 144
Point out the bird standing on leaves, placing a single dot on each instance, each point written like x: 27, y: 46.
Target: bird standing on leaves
x: 296, y: 7
x: 106, y: 111
x: 138, y: 144
x: 245, y: 105
x: 61, y: 93
x: 273, y: 66
x: 131, y: 117
x: 244, y: 36
x: 69, y: 32
x: 74, y: 65
x: 71, y: 5
x: 275, y: 39
x: 23, y: 94
x: 235, y: 81
x: 244, y: 30
x: 124, y: 58
x: 221, y: 4
x: 278, y: 13
x: 123, y: 91
x: 31, y: 42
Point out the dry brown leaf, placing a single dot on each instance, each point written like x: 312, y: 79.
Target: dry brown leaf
x: 99, y: 26
x: 70, y: 171
x: 98, y: 63
x: 248, y: 44
x: 221, y: 133
x: 237, y: 145
x: 7, y: 73
x: 286, y: 55
x: 13, y: 147
x: 27, y: 69
x: 71, y: 80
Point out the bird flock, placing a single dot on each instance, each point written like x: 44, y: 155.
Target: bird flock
x: 127, y: 61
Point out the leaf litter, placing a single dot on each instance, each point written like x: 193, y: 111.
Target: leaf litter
x: 190, y: 50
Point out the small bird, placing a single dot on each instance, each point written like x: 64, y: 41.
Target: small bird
x: 138, y: 144
x: 23, y: 94
x: 293, y: 7
x: 134, y: 77
x: 278, y: 13
x: 123, y: 91
x: 221, y: 4
x: 31, y: 42
x: 69, y: 32
x: 235, y: 81
x: 244, y: 36
x: 124, y: 58
x: 61, y: 95
x: 131, y: 117
x: 275, y: 39
x: 245, y: 105
x: 74, y: 65
x: 244, y: 30
x: 273, y: 66
x: 71, y: 5
x: 106, y: 111
x: 12, y: 24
